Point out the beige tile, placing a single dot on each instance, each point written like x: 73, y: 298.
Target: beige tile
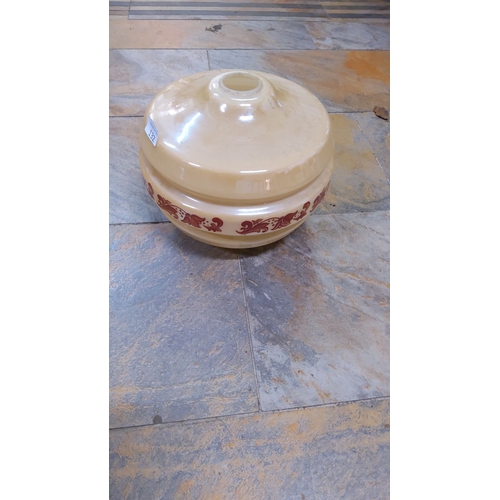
x: 137, y: 75
x: 352, y: 80
x: 166, y: 34
x: 332, y: 452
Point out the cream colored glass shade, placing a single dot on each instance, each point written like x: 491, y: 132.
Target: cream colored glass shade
x: 236, y: 158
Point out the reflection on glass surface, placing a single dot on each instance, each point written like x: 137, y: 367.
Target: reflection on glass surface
x: 249, y: 212
x: 170, y: 146
x: 185, y: 130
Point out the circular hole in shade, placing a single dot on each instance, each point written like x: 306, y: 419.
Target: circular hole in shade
x: 241, y: 82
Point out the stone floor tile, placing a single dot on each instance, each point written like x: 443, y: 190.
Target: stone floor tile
x: 358, y: 182
x: 377, y: 132
x: 137, y: 75
x: 336, y: 452
x: 193, y: 34
x: 318, y: 303
x: 349, y: 35
x: 179, y: 343
x: 129, y: 202
x: 343, y: 80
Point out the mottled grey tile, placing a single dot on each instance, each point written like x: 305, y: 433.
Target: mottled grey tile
x: 350, y: 35
x: 193, y: 34
x: 129, y: 202
x: 318, y: 302
x: 358, y: 182
x: 343, y: 80
x: 179, y: 344
x: 336, y: 452
x: 137, y: 75
x: 377, y: 132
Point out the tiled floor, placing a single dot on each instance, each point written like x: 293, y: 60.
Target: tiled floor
x: 264, y: 373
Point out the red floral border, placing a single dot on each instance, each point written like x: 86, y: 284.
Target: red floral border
x: 247, y: 227
x: 274, y: 223
x: 190, y: 219
x: 183, y: 216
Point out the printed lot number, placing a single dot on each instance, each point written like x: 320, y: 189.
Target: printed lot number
x: 151, y: 132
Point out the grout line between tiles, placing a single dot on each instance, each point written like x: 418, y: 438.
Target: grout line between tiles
x: 139, y: 223
x: 208, y: 60
x: 251, y: 413
x: 186, y: 421
x: 320, y: 405
x: 247, y: 316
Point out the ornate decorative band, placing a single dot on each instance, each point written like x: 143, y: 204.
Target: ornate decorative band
x: 274, y: 223
x: 247, y: 226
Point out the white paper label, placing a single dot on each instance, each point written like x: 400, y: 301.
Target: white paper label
x: 151, y: 131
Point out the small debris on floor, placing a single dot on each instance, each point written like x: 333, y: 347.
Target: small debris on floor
x: 215, y: 28
x: 270, y: 29
x: 381, y: 112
